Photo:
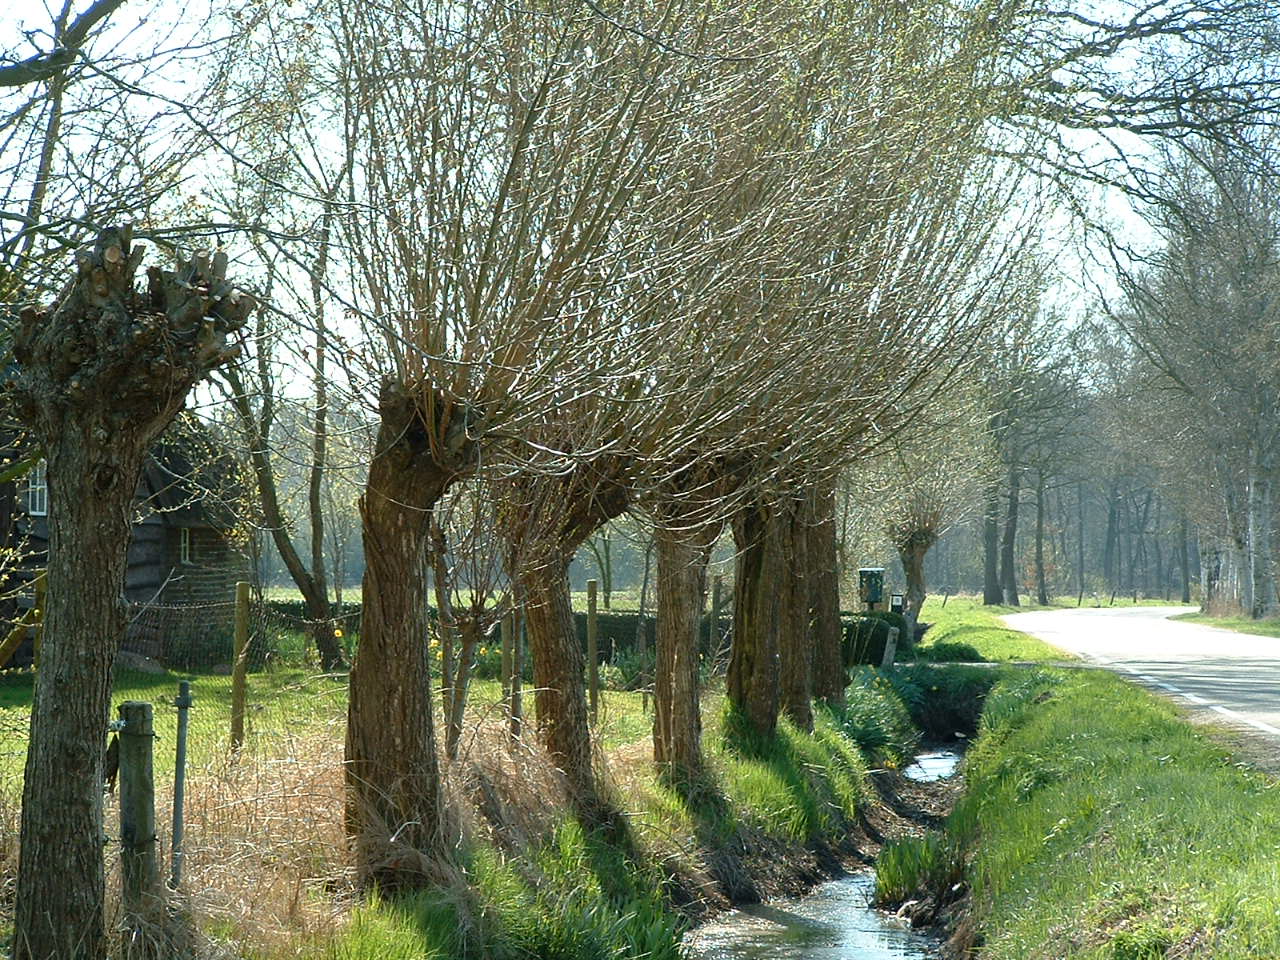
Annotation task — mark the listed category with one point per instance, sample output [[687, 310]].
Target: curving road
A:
[[1236, 675]]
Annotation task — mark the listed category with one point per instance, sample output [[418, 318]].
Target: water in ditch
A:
[[834, 921]]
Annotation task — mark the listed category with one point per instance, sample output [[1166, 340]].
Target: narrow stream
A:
[[834, 921]]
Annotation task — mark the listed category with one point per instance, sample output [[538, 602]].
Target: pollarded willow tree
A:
[[507, 227], [905, 274], [923, 482], [100, 374]]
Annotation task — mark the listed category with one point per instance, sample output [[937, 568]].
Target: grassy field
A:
[[966, 630]]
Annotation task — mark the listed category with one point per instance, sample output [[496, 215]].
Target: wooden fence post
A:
[[517, 673], [142, 895], [593, 660], [240, 666], [717, 585], [890, 649], [506, 661]]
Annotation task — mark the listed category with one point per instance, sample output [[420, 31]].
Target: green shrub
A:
[[877, 720], [944, 700], [866, 635], [951, 653]]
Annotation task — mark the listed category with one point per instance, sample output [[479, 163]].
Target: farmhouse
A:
[[182, 551]]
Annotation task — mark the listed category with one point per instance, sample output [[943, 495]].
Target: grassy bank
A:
[[772, 810], [966, 630], [1269, 627], [1099, 824]]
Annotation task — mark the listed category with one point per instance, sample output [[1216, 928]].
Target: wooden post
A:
[[517, 674], [717, 585], [142, 894], [593, 663], [506, 660], [890, 649], [240, 666]]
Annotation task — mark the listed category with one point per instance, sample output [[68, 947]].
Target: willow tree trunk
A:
[[992, 592], [824, 596], [558, 678], [98, 379], [60, 910], [795, 645], [752, 682], [912, 552], [395, 809], [1008, 543], [681, 582]]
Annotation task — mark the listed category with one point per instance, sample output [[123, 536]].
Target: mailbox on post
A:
[[871, 586]]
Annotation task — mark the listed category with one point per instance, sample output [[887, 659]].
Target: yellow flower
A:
[[338, 634]]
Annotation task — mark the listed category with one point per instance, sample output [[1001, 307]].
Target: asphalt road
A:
[[1236, 675]]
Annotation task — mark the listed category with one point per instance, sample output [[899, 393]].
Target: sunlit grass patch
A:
[[965, 623]]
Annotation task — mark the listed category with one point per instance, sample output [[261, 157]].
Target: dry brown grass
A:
[[266, 859]]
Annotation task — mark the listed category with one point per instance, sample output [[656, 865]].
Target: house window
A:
[[184, 548], [38, 490]]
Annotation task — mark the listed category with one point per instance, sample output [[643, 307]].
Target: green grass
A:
[[1263, 628], [966, 630], [1102, 825]]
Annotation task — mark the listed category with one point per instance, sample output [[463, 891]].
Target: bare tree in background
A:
[[1204, 316]]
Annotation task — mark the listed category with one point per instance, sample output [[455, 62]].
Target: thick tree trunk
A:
[[912, 553], [677, 720], [752, 683], [992, 592], [1008, 543], [98, 379], [824, 597], [1185, 563], [795, 643], [547, 518], [60, 911], [1261, 535], [1211, 557], [1111, 539], [395, 808], [1042, 587], [558, 666]]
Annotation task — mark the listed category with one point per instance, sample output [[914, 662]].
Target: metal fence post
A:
[[183, 703], [141, 891], [239, 666]]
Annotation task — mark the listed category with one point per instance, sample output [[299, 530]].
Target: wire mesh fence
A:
[[263, 823]]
